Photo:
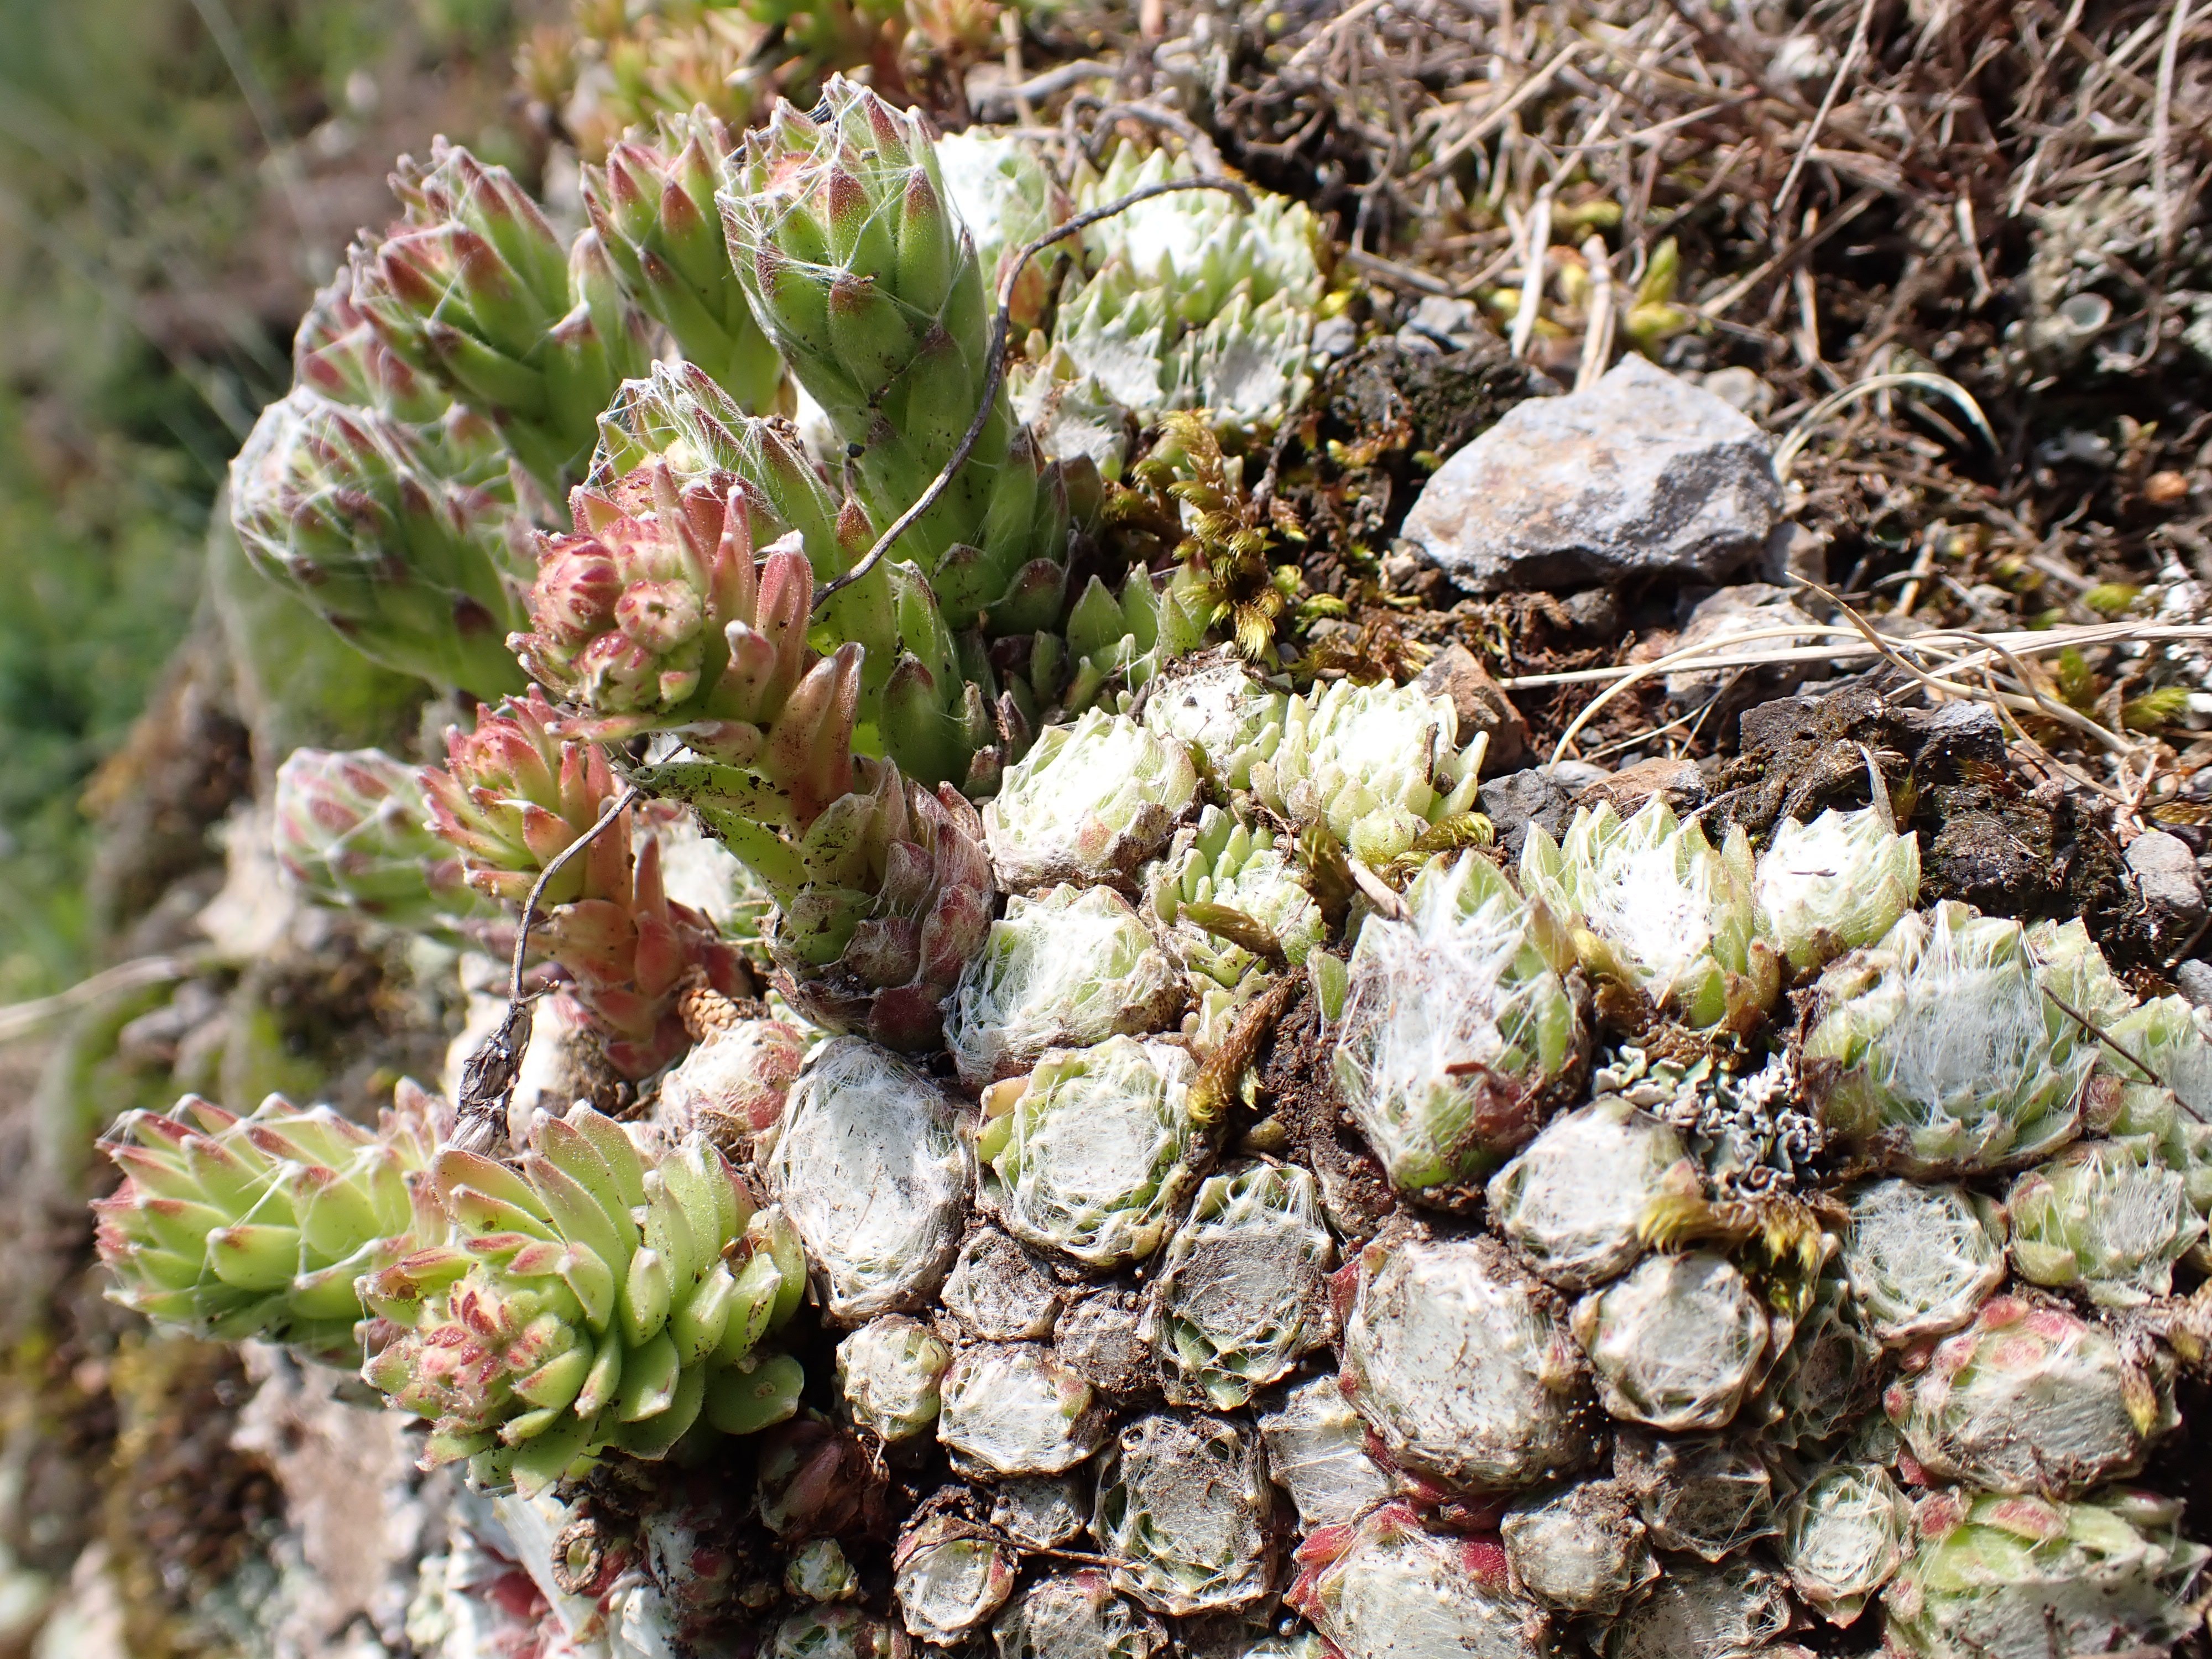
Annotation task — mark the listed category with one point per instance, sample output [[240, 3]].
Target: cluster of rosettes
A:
[[1198, 1163], [1117, 1302]]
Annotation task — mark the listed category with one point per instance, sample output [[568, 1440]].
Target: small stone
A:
[[1746, 609], [2166, 489], [2193, 978], [1335, 336], [1481, 706], [1641, 475], [2166, 875], [1594, 611], [1741, 389], [1443, 324], [1518, 799], [1676, 782]]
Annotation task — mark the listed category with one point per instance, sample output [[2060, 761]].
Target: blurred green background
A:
[[175, 178]]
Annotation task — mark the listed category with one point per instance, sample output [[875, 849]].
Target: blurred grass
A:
[[152, 260]]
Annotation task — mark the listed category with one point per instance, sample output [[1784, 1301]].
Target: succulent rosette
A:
[[652, 205], [1227, 720], [1843, 1536], [1574, 1201], [1706, 1496], [1063, 1615], [512, 796], [1010, 1408], [1384, 1585], [1091, 803], [474, 288], [1937, 1051], [940, 712], [1184, 1502], [1921, 1259], [349, 509], [1736, 1607], [1092, 1153], [867, 1164], [862, 275], [2031, 1399], [2104, 1215], [1379, 765], [887, 1373], [1243, 1290], [1316, 1448], [587, 1301], [1657, 909], [233, 1227], [1463, 1366], [656, 615], [1070, 968], [1188, 301], [949, 1577], [1456, 1026], [2011, 1576], [352, 829], [1834, 886], [1579, 1548], [1679, 1343], [1223, 888]]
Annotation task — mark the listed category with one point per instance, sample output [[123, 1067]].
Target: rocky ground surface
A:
[[1796, 204]]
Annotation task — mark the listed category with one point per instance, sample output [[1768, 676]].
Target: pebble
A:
[[1640, 475]]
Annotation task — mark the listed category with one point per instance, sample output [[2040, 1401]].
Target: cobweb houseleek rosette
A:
[[653, 204], [1070, 968], [1243, 1290], [862, 275], [1834, 886], [474, 288], [1092, 1154], [237, 1227], [2031, 1398], [1456, 1026], [883, 896], [1377, 764], [1089, 803], [1657, 909], [2106, 1216], [1937, 1051], [927, 701], [2006, 1576], [352, 829], [1218, 878], [587, 1301], [348, 510]]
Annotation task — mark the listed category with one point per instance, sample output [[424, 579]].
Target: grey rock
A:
[[1642, 475], [1595, 610], [1439, 323], [1518, 799], [1335, 336], [2165, 873], [1746, 608], [1794, 551], [1481, 704], [2193, 978]]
